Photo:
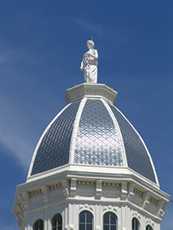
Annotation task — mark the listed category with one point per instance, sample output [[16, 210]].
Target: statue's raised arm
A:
[[89, 63]]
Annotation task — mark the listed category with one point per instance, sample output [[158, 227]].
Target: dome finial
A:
[[89, 63]]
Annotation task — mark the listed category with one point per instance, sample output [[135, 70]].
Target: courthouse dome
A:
[[91, 131]]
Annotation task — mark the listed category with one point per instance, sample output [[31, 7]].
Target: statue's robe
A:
[[89, 66]]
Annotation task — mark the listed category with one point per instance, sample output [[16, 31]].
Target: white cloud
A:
[[16, 131], [13, 132]]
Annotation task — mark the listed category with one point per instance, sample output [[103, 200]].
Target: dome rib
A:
[[116, 125], [75, 130]]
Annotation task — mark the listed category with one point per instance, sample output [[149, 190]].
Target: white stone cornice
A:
[[90, 90], [44, 190], [161, 207], [98, 189], [131, 189], [146, 199], [23, 199], [119, 203], [66, 189], [84, 174], [124, 190], [73, 186]]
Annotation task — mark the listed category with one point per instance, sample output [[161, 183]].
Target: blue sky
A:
[[41, 43]]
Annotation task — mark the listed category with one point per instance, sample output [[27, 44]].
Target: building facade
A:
[[90, 170]]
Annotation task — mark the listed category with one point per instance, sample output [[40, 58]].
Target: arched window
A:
[[86, 220], [109, 221], [135, 224], [149, 227], [57, 222], [38, 225]]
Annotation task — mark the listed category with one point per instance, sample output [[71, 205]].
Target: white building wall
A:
[[95, 197]]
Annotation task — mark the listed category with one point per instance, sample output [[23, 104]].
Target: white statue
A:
[[89, 63]]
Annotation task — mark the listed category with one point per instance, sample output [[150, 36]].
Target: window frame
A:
[[90, 223], [138, 222], [38, 227], [149, 227], [110, 225], [56, 218]]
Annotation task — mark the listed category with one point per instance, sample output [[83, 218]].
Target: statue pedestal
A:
[[97, 90]]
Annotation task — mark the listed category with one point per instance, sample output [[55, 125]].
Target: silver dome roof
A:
[[90, 130]]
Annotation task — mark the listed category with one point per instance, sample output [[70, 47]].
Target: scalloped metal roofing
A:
[[92, 132]]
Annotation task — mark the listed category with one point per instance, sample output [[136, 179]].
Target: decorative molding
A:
[[35, 193], [161, 207], [149, 222], [73, 186], [69, 190], [65, 189], [131, 189], [90, 90], [136, 215], [98, 189], [110, 208], [124, 190], [86, 207], [86, 182], [146, 199], [44, 191], [54, 186]]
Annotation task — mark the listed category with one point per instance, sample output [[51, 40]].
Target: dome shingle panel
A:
[[53, 150], [97, 141], [136, 151]]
